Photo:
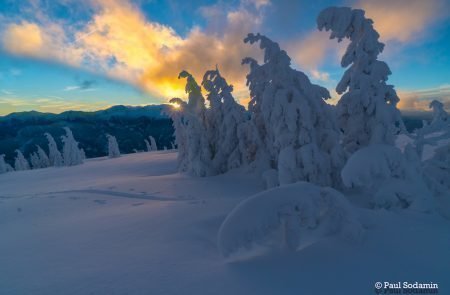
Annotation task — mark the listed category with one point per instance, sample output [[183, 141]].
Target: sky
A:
[[58, 55]]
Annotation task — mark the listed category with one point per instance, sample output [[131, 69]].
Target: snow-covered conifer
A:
[[54, 156], [72, 154], [295, 126], [4, 167], [367, 111], [153, 145], [35, 161], [224, 117], [387, 178], [20, 162], [113, 147], [437, 172], [43, 158], [439, 114], [83, 154], [189, 119], [147, 145]]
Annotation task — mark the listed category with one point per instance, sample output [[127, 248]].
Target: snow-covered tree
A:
[[440, 116], [294, 125], [43, 158], [4, 167], [39, 159], [387, 178], [113, 147], [20, 162], [437, 171], [153, 145], [54, 156], [147, 145], [35, 161], [83, 155], [367, 111], [178, 115], [72, 154], [431, 135], [190, 130], [224, 118]]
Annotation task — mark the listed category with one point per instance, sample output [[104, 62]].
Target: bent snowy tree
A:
[[224, 118], [295, 126], [367, 111], [191, 135]]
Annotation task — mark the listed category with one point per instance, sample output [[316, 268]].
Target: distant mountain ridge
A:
[[130, 124], [151, 111]]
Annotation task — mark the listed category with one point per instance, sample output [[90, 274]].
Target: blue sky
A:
[[91, 54]]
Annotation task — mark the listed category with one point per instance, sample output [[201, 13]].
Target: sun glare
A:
[[176, 106]]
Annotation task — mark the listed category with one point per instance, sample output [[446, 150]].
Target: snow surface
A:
[[132, 225]]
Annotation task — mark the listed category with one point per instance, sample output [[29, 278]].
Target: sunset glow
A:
[[140, 47]]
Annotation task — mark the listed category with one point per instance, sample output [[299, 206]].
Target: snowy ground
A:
[[133, 225]]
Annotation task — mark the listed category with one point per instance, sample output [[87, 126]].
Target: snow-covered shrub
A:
[[4, 167], [153, 145], [288, 216], [387, 178], [54, 155], [223, 118], [367, 112], [113, 147], [72, 154], [296, 129], [20, 162]]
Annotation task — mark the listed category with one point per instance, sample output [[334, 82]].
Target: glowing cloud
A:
[[403, 20], [121, 43]]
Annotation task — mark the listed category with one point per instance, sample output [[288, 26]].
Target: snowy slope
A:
[[133, 225]]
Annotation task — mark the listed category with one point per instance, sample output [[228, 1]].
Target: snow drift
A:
[[297, 211]]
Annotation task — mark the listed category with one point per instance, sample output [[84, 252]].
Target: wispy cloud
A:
[[84, 85], [7, 92]]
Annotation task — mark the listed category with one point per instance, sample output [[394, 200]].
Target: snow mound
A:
[[387, 177], [288, 216]]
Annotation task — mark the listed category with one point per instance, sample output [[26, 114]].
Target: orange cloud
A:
[[420, 99], [121, 43], [403, 20], [24, 38], [47, 41]]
